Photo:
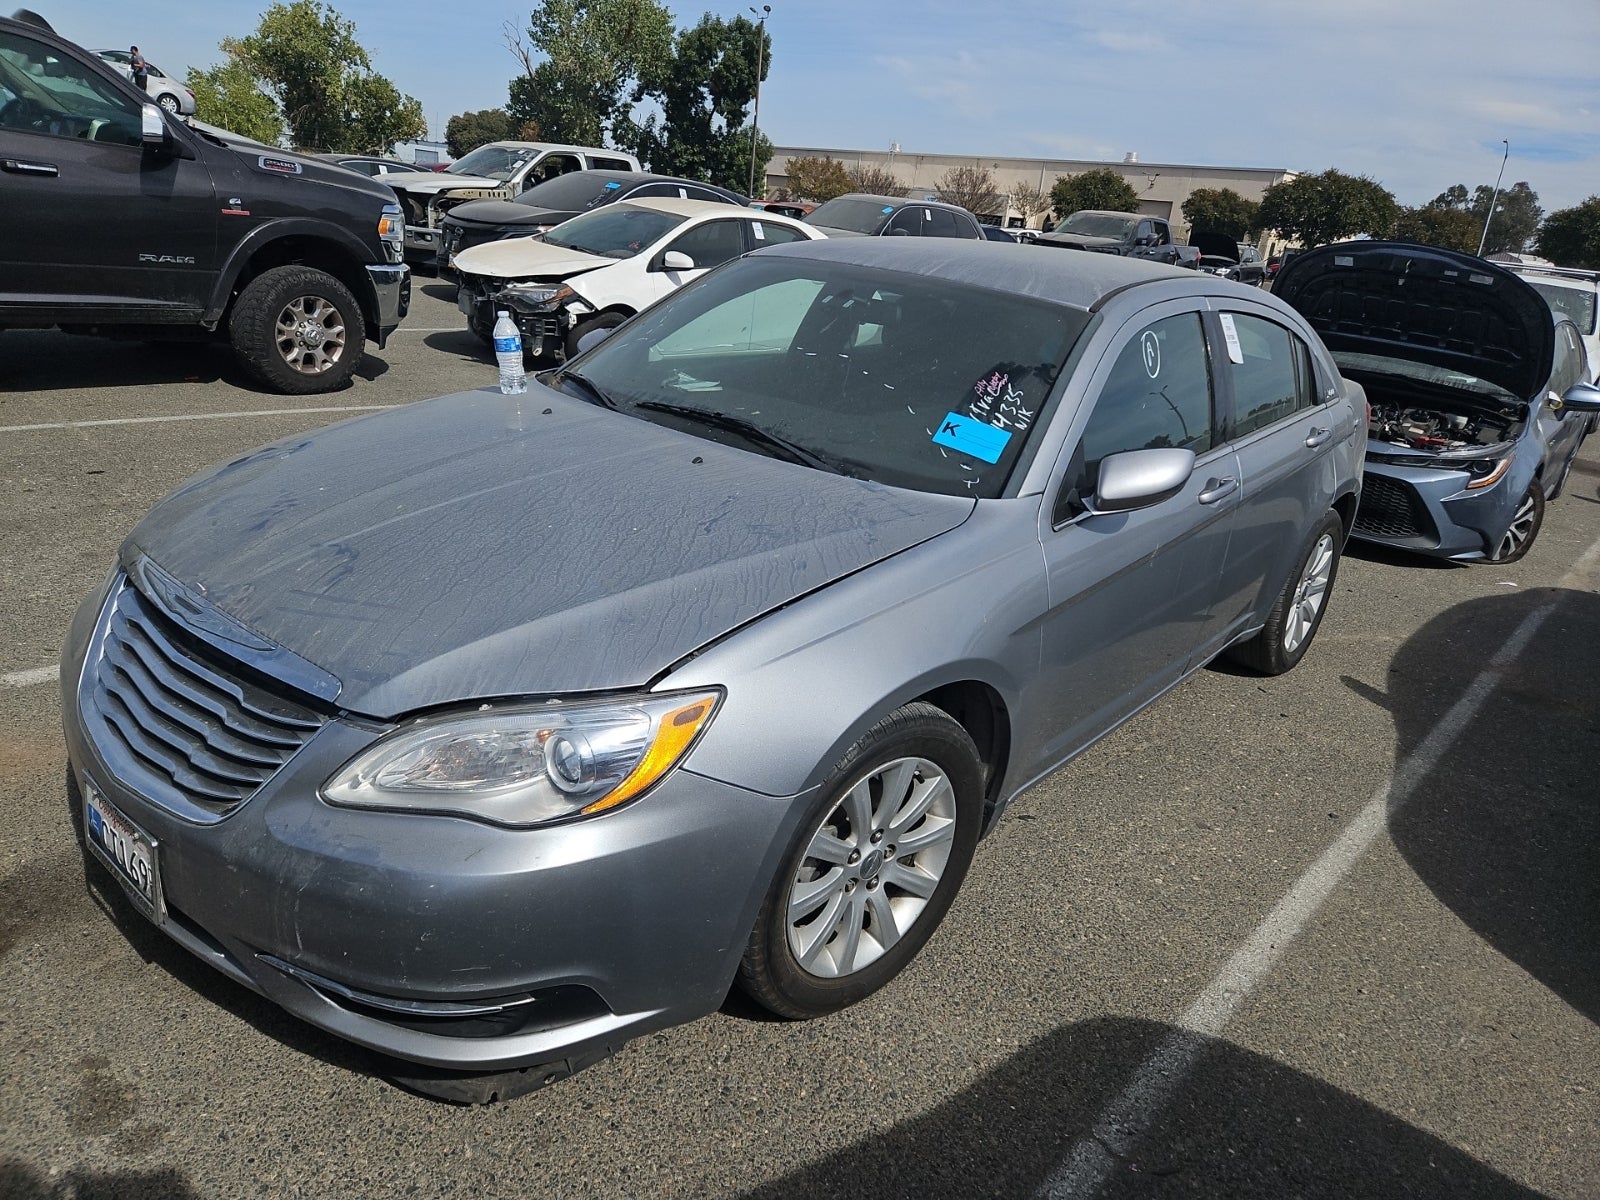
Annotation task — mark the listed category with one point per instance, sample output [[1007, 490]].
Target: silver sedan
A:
[[494, 731]]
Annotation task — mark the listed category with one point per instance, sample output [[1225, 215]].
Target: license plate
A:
[[126, 849]]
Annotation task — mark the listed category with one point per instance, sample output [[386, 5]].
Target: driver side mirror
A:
[[1582, 397], [153, 130], [1140, 478], [676, 260]]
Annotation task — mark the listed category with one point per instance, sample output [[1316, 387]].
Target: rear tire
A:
[[873, 868], [1297, 614], [298, 330]]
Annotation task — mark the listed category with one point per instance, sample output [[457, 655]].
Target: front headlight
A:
[[527, 765], [392, 232], [536, 293]]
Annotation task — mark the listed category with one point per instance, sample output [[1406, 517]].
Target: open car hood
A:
[[1426, 305], [527, 258], [481, 545]]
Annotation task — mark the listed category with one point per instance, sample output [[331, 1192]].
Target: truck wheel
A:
[[298, 330]]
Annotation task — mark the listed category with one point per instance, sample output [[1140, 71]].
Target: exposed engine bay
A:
[[1436, 429]]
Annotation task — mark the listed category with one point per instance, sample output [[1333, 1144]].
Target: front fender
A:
[[338, 240]]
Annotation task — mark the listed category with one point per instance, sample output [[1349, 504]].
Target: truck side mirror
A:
[[153, 130]]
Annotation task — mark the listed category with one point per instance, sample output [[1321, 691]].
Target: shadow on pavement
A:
[[40, 360], [1505, 830], [1240, 1126], [19, 1182]]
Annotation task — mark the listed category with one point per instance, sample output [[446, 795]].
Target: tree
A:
[[1221, 211], [874, 180], [1316, 209], [465, 132], [305, 55], [583, 64], [1571, 236], [818, 179], [1454, 228], [1029, 200], [1515, 220], [1099, 188], [229, 95], [705, 88], [972, 188]]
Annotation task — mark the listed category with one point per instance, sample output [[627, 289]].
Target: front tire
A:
[[1297, 614], [298, 330], [874, 869], [606, 320], [1526, 522]]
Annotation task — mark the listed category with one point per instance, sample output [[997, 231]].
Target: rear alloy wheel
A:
[[874, 870], [298, 329], [169, 102], [1526, 522], [1297, 614]]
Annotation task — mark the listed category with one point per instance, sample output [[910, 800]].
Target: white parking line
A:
[[223, 416], [1118, 1131], [22, 679]]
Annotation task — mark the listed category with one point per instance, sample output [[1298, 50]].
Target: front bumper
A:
[[441, 940], [391, 285], [1429, 511]]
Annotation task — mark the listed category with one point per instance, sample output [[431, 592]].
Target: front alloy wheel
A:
[[874, 868], [1517, 540]]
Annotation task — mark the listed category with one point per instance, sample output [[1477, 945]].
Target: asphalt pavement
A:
[[1331, 934]]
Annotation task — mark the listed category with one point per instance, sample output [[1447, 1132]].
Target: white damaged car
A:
[[597, 270]]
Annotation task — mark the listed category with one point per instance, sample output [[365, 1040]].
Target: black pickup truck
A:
[[123, 220], [1131, 235]]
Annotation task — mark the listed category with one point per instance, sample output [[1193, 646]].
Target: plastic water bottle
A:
[[508, 350]]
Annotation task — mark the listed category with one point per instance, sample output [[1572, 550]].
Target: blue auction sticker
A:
[[972, 437]]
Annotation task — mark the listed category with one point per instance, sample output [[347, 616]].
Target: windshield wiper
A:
[[593, 394], [749, 430]]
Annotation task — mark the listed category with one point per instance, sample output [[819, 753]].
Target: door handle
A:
[[1216, 489], [1317, 436], [18, 167]]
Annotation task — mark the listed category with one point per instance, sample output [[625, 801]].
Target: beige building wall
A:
[[1162, 187]]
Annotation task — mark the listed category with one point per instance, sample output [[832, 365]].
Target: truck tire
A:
[[298, 330]]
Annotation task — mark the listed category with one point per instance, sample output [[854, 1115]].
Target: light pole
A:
[[1489, 216], [755, 120]]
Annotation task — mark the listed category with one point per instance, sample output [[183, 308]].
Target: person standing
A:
[[140, 69]]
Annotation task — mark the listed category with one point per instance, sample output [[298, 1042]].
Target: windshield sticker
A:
[[888, 208], [1231, 336], [761, 234], [972, 437], [612, 186]]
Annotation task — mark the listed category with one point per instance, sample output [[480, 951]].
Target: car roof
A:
[[560, 146], [898, 201], [694, 208], [1063, 277]]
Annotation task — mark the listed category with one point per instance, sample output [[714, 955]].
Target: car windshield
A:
[[858, 216], [492, 162], [1576, 303], [572, 192], [1097, 225], [902, 379], [616, 231]]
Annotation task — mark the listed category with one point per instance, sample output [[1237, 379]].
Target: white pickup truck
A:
[[497, 171]]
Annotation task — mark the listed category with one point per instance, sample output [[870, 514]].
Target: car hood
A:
[[1426, 305], [528, 258], [833, 231], [1081, 240], [1213, 245], [507, 212], [430, 183], [482, 545]]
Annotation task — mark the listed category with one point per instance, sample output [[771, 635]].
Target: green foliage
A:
[[465, 132], [1100, 188], [1571, 236], [1221, 211], [228, 95], [1435, 224], [585, 64], [1515, 221], [819, 179], [1317, 209], [704, 89], [306, 56]]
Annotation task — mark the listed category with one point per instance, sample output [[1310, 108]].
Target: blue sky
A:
[[1414, 93]]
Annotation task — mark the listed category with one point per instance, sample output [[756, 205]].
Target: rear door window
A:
[[943, 223], [1270, 369]]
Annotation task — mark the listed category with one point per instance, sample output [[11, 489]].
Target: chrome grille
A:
[[181, 718], [1392, 509]]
